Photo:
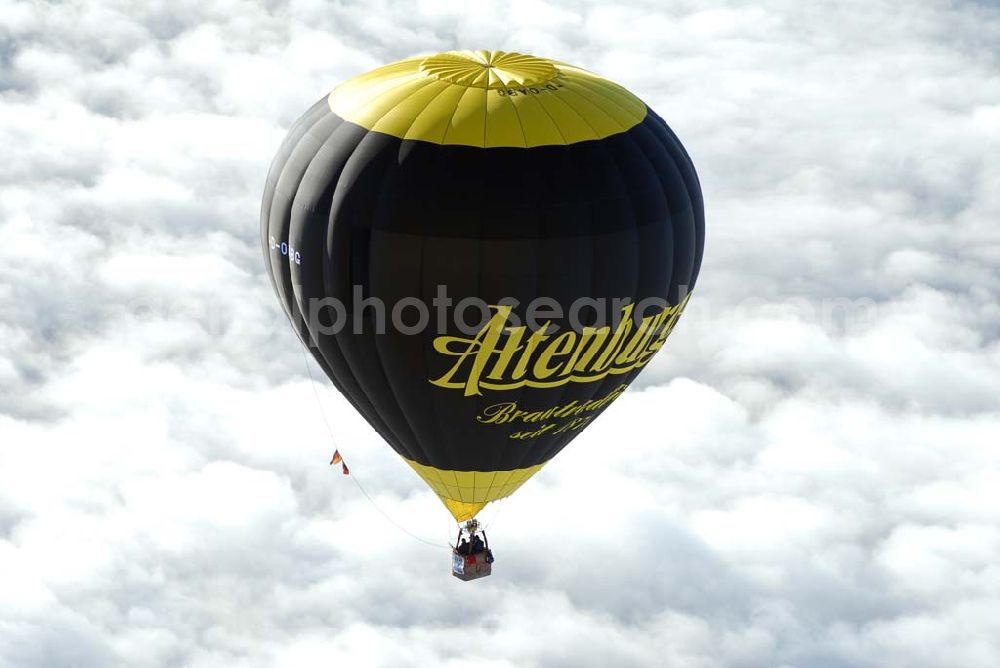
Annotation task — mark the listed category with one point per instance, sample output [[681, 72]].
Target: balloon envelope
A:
[[481, 250]]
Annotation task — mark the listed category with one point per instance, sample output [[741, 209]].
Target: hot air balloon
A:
[[481, 249]]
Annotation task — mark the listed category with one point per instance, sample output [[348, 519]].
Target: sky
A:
[[807, 475]]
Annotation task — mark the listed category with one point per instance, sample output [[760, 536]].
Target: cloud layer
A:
[[808, 476]]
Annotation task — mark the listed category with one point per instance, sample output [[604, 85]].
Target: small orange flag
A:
[[337, 459]]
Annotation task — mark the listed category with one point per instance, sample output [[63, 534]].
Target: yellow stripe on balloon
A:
[[492, 99], [465, 493]]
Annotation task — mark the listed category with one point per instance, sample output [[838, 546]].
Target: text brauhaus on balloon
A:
[[503, 357]]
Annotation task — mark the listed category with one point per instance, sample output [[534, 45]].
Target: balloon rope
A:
[[352, 475], [498, 506]]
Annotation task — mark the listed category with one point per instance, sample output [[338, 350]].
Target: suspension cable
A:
[[352, 475]]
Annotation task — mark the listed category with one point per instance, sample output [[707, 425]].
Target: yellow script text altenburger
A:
[[503, 357]]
